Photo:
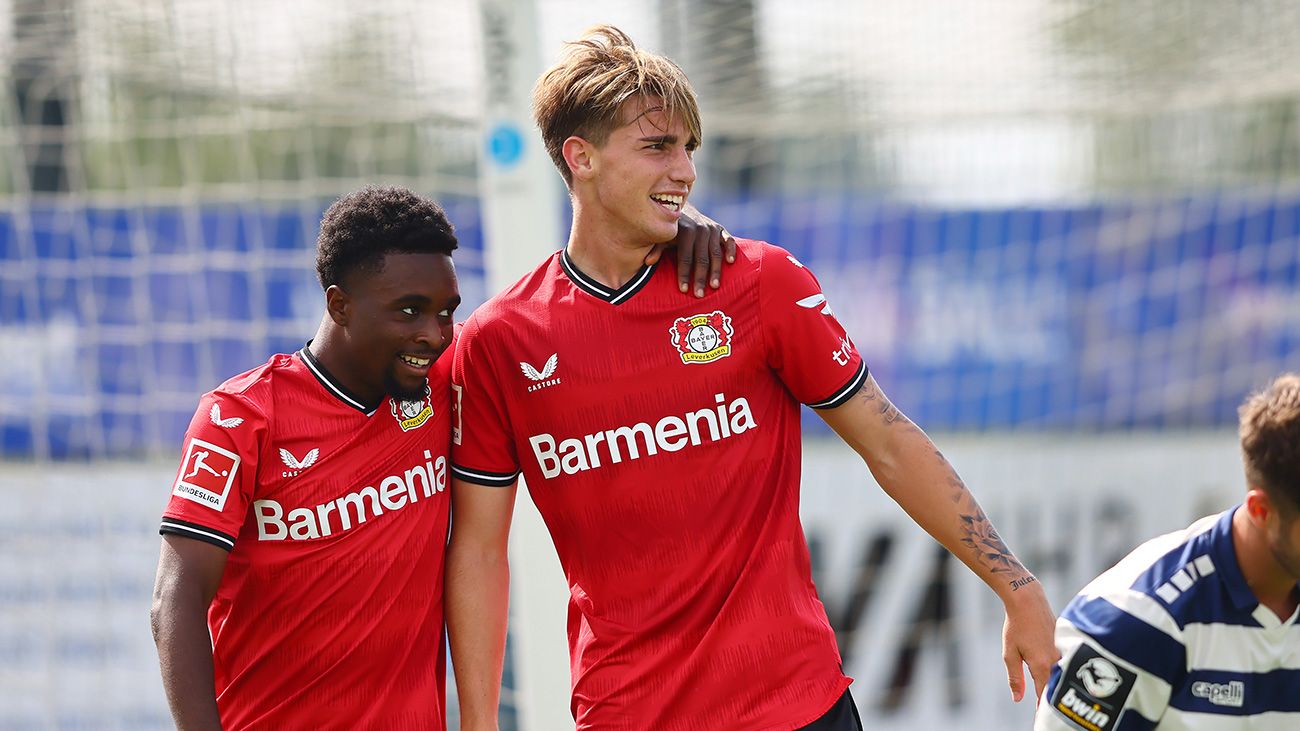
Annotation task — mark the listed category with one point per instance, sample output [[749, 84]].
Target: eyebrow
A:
[[419, 299]]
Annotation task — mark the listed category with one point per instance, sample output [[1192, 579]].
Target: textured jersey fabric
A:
[[1172, 638], [329, 611], [659, 438]]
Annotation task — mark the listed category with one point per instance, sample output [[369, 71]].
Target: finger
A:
[[729, 246], [702, 263], [1015, 677], [685, 260], [715, 260], [653, 257], [1041, 672]]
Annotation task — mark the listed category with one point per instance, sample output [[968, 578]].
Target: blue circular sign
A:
[[505, 144]]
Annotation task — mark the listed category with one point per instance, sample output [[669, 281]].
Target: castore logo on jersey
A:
[[296, 465], [215, 416], [542, 379]]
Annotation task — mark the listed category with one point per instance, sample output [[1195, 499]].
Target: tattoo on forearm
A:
[[888, 412], [990, 551], [982, 538]]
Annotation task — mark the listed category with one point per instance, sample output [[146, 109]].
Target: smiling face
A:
[[639, 179], [396, 322]]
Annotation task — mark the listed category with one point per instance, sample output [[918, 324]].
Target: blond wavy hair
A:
[[583, 93]]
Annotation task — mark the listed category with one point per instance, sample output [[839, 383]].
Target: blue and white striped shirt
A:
[[1172, 638]]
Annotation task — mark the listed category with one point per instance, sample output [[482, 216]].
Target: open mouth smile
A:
[[671, 202], [415, 361]]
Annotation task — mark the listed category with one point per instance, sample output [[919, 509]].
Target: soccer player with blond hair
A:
[[673, 501]]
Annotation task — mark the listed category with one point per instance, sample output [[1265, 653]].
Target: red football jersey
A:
[[329, 612], [659, 437]]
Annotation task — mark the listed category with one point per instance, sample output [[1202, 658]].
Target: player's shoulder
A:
[[254, 389], [1166, 582], [773, 263], [1154, 562], [517, 301]]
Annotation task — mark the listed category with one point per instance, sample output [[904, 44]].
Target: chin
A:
[[404, 392]]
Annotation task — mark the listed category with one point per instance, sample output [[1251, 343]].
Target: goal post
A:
[[521, 200]]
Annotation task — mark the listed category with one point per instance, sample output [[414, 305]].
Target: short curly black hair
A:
[[360, 228]]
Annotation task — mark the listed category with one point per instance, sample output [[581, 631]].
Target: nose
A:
[[431, 335], [683, 168]]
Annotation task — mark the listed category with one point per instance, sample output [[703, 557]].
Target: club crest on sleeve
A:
[[702, 338], [412, 414], [457, 391], [215, 416], [1092, 690], [206, 475]]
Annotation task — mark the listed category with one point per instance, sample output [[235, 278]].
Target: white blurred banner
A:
[[919, 634]]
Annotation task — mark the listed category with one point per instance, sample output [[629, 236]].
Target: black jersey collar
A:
[[594, 288], [332, 384]]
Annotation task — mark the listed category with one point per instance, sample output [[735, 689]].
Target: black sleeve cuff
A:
[[845, 392], [198, 532], [481, 477]]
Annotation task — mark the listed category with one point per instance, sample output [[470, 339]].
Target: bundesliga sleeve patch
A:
[[206, 474], [1092, 690]]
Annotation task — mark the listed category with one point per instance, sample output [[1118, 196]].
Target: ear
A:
[[581, 157], [338, 304], [1258, 506]]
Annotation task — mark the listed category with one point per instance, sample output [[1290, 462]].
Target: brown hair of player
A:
[[1270, 440], [582, 95]]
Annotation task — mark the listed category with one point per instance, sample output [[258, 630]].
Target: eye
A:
[[445, 313], [410, 310]]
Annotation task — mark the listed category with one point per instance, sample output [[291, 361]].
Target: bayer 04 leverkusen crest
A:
[[702, 338], [412, 414]]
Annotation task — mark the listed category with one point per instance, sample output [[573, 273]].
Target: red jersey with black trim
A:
[[659, 438], [329, 613]]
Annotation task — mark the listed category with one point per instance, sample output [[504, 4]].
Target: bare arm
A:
[[477, 597], [188, 574], [918, 477]]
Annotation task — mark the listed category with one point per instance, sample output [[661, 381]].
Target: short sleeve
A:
[[806, 345], [1117, 670], [483, 450], [215, 482]]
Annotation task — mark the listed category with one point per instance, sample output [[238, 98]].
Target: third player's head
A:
[[384, 259], [620, 124], [1270, 445]]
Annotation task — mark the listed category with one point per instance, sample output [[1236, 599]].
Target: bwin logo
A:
[[1075, 707]]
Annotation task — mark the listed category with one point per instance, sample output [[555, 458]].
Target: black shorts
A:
[[843, 716]]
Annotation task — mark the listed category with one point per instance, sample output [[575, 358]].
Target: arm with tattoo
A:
[[917, 476]]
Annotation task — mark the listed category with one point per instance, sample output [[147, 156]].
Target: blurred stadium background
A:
[[1065, 234]]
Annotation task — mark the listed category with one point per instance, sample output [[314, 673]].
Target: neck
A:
[[329, 346], [1268, 580], [603, 250]]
